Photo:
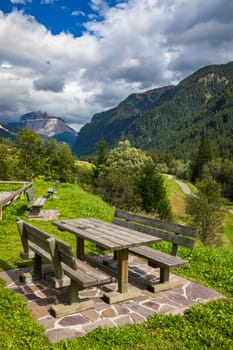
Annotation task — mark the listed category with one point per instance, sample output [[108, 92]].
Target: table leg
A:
[[80, 248], [124, 292], [123, 270]]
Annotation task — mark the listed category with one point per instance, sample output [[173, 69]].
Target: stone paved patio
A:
[[40, 296]]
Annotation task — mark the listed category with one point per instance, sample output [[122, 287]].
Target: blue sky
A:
[[74, 58], [58, 16]]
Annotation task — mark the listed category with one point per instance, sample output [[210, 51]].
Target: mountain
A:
[[171, 119], [47, 126]]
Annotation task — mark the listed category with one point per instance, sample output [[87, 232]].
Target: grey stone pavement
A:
[[40, 296]]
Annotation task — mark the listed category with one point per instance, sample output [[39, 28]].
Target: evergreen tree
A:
[[204, 154], [153, 192], [101, 156]]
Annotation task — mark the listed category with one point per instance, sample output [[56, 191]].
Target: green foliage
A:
[[8, 161], [116, 182], [32, 160], [203, 155], [222, 171], [85, 173], [152, 192], [31, 157], [60, 162], [206, 210]]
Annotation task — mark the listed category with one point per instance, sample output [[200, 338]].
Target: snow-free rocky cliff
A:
[[46, 125]]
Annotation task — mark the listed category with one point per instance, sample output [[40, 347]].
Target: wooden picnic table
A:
[[112, 237]]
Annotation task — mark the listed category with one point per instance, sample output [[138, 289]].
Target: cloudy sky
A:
[[74, 58]]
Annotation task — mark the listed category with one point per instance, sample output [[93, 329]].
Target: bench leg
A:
[[27, 277], [75, 304], [35, 212], [37, 270], [164, 274], [164, 282]]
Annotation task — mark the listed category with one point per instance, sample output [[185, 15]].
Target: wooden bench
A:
[[35, 204], [177, 235], [52, 190], [68, 270]]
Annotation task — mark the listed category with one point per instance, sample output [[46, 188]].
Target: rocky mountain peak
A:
[[44, 124]]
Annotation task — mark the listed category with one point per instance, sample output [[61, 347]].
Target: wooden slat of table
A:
[[118, 230], [82, 233], [107, 235]]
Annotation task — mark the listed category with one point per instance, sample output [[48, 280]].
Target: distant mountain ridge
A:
[[170, 119], [46, 126]]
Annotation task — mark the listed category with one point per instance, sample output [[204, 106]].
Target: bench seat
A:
[[39, 202], [158, 258]]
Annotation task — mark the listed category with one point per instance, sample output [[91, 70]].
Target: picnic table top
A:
[[105, 234]]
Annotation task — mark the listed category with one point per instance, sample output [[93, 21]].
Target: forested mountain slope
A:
[[170, 119]]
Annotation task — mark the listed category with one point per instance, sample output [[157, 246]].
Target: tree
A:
[[116, 182], [60, 162], [152, 191], [32, 160], [203, 155], [9, 168], [101, 156], [205, 210]]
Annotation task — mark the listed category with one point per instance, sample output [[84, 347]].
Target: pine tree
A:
[[153, 192], [204, 154]]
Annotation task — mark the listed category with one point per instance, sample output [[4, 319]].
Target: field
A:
[[207, 326]]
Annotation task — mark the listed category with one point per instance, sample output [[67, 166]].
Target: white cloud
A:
[[20, 1], [46, 2], [139, 44], [77, 13]]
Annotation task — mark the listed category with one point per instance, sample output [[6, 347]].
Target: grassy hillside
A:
[[203, 327]]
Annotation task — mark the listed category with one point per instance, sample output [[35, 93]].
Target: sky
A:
[[75, 58]]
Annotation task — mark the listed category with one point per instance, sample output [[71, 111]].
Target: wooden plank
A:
[[85, 235], [39, 202], [127, 233], [160, 258], [170, 237], [81, 277], [181, 229], [39, 251]]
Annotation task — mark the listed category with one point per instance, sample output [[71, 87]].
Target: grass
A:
[[207, 326], [228, 229], [177, 200]]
